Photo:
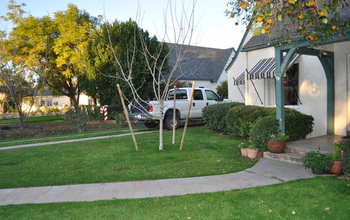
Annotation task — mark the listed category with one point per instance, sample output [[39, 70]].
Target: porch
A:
[[297, 149]]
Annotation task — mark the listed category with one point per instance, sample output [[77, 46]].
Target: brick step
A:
[[286, 157]]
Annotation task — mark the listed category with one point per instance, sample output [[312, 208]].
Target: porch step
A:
[[286, 157], [300, 150]]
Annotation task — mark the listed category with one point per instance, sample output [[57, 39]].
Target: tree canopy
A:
[[315, 21], [51, 47], [118, 39]]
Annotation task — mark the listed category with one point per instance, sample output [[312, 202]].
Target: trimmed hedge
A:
[[345, 162], [214, 115], [241, 119], [262, 130], [298, 126]]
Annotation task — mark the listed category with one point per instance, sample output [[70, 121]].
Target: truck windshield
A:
[[180, 94]]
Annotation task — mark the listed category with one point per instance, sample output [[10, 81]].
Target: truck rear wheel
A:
[[169, 122], [151, 124]]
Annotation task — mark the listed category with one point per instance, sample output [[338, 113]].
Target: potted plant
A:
[[277, 143], [336, 168], [337, 157], [317, 161], [244, 147], [252, 150]]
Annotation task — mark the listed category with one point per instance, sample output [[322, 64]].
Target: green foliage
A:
[[345, 162], [286, 21], [215, 115], [51, 47], [279, 137], [103, 73], [262, 130], [298, 126], [241, 119], [317, 160], [78, 118], [222, 89]]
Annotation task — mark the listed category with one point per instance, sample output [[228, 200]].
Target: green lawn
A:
[[319, 198], [111, 129], [115, 159], [34, 120]]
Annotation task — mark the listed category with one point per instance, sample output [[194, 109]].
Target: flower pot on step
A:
[[244, 152], [336, 168], [252, 153], [276, 146]]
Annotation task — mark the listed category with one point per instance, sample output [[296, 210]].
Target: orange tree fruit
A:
[[259, 19]]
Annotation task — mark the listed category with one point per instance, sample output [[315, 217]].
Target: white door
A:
[[198, 104]]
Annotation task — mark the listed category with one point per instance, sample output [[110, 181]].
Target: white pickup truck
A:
[[202, 97]]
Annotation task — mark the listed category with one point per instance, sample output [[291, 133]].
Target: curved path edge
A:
[[265, 172]]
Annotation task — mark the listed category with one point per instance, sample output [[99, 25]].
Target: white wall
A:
[[313, 92], [237, 68], [205, 84], [342, 97]]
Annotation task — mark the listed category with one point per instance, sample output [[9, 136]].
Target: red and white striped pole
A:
[[104, 110]]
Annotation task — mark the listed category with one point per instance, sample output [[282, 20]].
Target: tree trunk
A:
[[161, 121], [161, 148]]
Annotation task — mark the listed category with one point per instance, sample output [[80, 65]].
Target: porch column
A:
[[328, 66], [281, 68]]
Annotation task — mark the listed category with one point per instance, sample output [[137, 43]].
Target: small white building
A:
[[308, 86]]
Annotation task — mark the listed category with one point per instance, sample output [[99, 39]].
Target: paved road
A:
[[265, 172]]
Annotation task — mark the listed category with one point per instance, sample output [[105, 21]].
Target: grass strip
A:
[[319, 198]]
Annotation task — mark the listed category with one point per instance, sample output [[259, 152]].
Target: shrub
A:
[[262, 130], [298, 126], [214, 115], [344, 146], [241, 119], [317, 160], [78, 118]]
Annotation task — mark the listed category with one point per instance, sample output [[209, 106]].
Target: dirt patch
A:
[[48, 129]]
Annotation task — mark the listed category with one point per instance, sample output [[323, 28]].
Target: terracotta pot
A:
[[252, 153], [276, 146], [244, 152], [336, 168]]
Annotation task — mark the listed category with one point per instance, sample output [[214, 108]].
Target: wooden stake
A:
[[127, 118], [188, 115], [174, 114]]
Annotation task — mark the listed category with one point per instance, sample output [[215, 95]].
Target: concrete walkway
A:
[[71, 141], [265, 172]]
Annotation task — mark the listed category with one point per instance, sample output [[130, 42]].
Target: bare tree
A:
[[181, 25]]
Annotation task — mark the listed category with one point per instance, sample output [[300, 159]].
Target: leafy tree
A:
[[315, 21], [222, 89], [52, 47], [100, 64]]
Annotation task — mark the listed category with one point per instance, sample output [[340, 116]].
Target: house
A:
[[48, 100], [314, 84], [204, 65]]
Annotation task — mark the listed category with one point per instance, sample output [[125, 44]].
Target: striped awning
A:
[[240, 80], [266, 68]]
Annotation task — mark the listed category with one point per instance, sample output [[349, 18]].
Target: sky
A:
[[213, 28]]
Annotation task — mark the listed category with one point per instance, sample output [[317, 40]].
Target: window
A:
[[212, 95], [42, 103], [49, 103], [291, 85], [198, 95], [180, 94]]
